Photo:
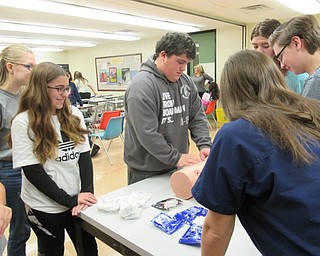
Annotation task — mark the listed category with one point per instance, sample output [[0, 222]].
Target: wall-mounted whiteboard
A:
[[114, 73]]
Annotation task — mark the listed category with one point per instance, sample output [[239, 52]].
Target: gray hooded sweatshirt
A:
[[158, 116]]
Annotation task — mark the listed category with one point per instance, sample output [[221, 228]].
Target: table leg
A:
[[114, 244]]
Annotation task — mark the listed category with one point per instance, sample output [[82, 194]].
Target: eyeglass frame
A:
[[277, 57], [27, 66], [60, 90]]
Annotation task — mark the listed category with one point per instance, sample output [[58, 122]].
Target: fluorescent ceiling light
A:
[[38, 49], [6, 26], [28, 41], [42, 49], [95, 14], [305, 6]]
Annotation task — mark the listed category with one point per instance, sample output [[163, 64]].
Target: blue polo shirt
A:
[[277, 201]]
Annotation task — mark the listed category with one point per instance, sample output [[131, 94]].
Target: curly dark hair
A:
[[174, 43]]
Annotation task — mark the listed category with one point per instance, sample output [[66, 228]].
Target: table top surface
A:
[[97, 100], [115, 101], [111, 97], [86, 106], [145, 238]]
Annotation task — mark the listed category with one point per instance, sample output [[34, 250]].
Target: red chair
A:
[[210, 110], [105, 119]]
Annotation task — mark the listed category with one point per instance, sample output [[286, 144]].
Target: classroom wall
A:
[[229, 41], [56, 57], [83, 60]]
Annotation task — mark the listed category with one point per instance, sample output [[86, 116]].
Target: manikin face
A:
[[58, 90], [261, 44], [172, 67]]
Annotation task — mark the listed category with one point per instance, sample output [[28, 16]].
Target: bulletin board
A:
[[114, 73]]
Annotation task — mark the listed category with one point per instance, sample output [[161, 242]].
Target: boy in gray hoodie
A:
[[161, 106]]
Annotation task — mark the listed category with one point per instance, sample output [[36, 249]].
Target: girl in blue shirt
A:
[[264, 165]]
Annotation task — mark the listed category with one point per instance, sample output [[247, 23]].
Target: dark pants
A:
[[19, 230], [135, 175], [50, 231]]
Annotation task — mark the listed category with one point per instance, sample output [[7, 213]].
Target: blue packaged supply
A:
[[167, 223], [188, 215], [192, 236]]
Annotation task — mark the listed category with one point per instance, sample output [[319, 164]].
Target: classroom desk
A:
[[110, 97], [86, 106], [114, 103], [86, 109], [96, 100], [140, 236]]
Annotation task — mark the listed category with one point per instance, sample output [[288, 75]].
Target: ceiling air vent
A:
[[256, 7]]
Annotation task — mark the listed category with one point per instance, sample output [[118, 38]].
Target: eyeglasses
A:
[[60, 90], [278, 57], [27, 66]]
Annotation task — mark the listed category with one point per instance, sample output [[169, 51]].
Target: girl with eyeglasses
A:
[[50, 143], [16, 62]]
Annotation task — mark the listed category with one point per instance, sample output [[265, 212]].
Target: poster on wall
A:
[[115, 72]]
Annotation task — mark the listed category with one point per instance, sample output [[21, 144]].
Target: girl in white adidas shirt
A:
[[50, 143]]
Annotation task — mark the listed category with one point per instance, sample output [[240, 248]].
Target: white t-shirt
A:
[[82, 86], [63, 169]]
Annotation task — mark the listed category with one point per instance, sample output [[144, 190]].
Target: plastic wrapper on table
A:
[[129, 206], [166, 204]]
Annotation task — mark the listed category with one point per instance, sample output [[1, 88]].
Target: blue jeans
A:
[[19, 231]]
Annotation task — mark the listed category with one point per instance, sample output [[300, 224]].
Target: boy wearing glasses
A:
[[297, 47], [260, 42]]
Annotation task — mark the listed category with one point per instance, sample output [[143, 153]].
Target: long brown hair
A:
[[253, 88], [78, 75], [36, 101]]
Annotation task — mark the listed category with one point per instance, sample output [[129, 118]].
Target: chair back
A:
[[114, 128], [106, 117], [211, 107]]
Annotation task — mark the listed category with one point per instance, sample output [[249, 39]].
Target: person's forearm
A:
[[216, 233], [92, 89], [213, 244], [2, 195], [86, 172], [38, 177]]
